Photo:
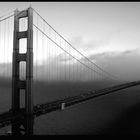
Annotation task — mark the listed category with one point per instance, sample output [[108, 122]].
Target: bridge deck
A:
[[7, 118]]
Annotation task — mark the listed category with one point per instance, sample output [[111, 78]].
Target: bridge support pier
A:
[[17, 83]]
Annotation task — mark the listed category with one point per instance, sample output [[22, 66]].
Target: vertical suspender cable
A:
[[43, 53], [4, 45], [37, 52]]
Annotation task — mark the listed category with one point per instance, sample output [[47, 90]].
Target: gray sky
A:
[[95, 28], [117, 24]]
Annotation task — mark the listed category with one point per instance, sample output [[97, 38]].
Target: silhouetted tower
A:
[[17, 83]]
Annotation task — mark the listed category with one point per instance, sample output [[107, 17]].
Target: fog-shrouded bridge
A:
[[33, 51]]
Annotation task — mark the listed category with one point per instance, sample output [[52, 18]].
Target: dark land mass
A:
[[116, 113]]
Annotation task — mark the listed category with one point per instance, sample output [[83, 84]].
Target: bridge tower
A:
[[26, 124]]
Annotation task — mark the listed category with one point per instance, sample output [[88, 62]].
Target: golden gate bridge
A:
[[32, 51]]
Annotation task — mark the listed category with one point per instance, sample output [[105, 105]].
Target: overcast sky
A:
[[114, 23], [106, 31]]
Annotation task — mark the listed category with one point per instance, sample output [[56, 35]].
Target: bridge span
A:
[[8, 118]]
